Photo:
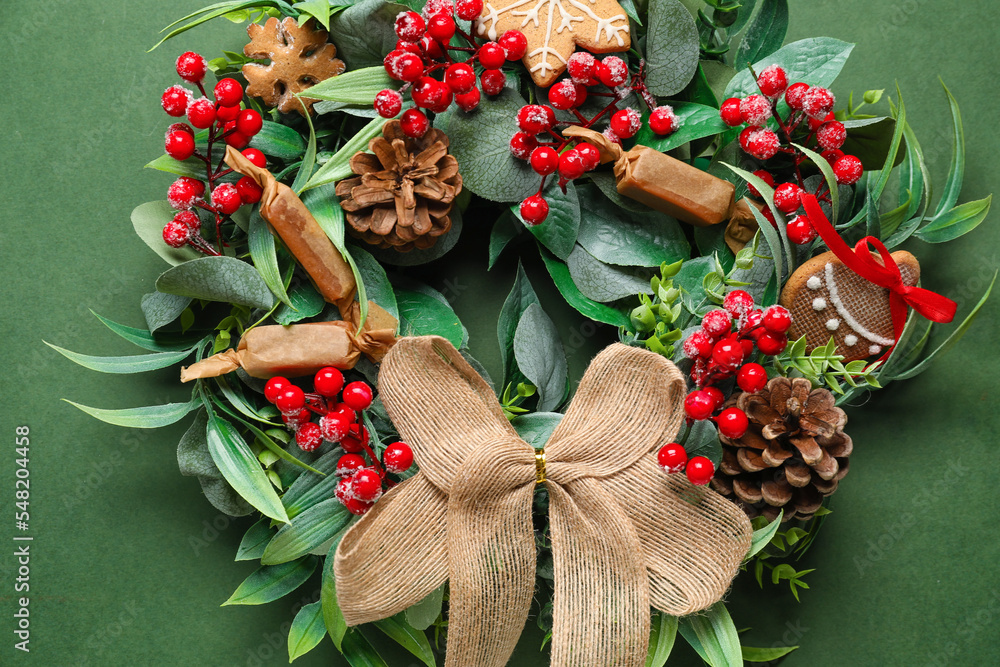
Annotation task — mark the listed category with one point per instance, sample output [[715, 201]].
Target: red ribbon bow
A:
[[931, 305]]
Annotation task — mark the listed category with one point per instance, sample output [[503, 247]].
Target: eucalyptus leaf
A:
[[139, 363], [535, 428], [505, 230], [161, 309], [145, 340], [602, 282], [672, 47], [764, 35], [958, 221], [586, 306], [272, 582], [304, 302], [816, 61], [422, 315], [696, 121], [377, 285], [558, 232], [153, 416], [307, 628], [607, 184], [307, 531], [148, 221], [222, 278], [423, 614], [364, 33], [279, 141], [540, 356]]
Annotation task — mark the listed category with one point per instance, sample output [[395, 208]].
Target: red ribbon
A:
[[931, 305]]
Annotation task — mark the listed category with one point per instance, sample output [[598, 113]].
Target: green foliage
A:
[[655, 317], [358, 86], [225, 279], [671, 47], [713, 636], [696, 122], [307, 630], [271, 582], [423, 315], [124, 365], [153, 416], [306, 531], [772, 548], [824, 367], [279, 141], [563, 280], [816, 61], [540, 356], [764, 34], [148, 221], [662, 634], [562, 226]]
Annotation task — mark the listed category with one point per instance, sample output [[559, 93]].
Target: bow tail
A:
[[396, 555], [694, 539], [601, 607]]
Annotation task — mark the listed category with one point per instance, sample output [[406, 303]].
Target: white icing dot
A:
[[874, 349], [832, 324], [814, 282], [819, 303], [850, 340]]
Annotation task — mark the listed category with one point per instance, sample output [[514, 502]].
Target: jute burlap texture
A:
[[622, 537]]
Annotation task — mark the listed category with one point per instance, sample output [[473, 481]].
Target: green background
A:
[[128, 568]]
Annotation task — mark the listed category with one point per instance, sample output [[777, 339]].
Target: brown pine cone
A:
[[404, 189], [792, 456]]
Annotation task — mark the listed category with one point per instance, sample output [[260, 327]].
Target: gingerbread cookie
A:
[[554, 28], [828, 299]]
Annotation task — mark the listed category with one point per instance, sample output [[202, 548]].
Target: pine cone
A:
[[402, 195], [792, 456]]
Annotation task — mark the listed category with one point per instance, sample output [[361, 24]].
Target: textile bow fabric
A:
[[624, 534]]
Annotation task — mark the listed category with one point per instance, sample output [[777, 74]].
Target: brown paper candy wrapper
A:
[[742, 225], [662, 182]]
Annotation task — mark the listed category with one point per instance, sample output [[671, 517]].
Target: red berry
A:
[[751, 378], [348, 464], [334, 426], [409, 47], [732, 422], [234, 138], [514, 44], [755, 109], [777, 319], [274, 387], [492, 56], [562, 95], [626, 122], [794, 95], [389, 62], [176, 234], [441, 27], [533, 118], [716, 322], [468, 101], [191, 67], [700, 471], [672, 458], [745, 136], [309, 437], [180, 127], [183, 192], [225, 114], [571, 165], [295, 420], [492, 81], [414, 123], [831, 135], [800, 230], [409, 26], [581, 66], [255, 156], [762, 143], [717, 396], [343, 410], [290, 400], [730, 112], [357, 507], [367, 485], [831, 156], [771, 344], [522, 144], [534, 210], [345, 491], [175, 100], [249, 122], [698, 345], [816, 123], [397, 457], [190, 220], [460, 77], [430, 47], [753, 319], [226, 198], [357, 396], [424, 91], [589, 154], [250, 192], [738, 303], [355, 439], [772, 81], [443, 100], [817, 102], [201, 112], [787, 197], [763, 175], [663, 120], [228, 93], [179, 145], [612, 72], [727, 354], [388, 103], [468, 10], [328, 382], [544, 160], [848, 170], [699, 405], [407, 67]]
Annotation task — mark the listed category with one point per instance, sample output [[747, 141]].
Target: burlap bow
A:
[[622, 538]]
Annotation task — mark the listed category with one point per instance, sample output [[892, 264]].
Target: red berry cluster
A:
[[225, 120], [339, 410], [810, 119], [673, 458], [435, 78], [553, 153]]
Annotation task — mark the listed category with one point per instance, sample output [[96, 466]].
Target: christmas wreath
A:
[[687, 180]]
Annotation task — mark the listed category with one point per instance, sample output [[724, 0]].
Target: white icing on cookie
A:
[[874, 349], [819, 303], [850, 340], [831, 287], [814, 282], [833, 324]]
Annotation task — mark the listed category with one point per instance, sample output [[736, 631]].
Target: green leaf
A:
[[213, 11], [505, 230], [828, 175], [605, 182], [241, 469], [419, 256], [603, 282], [522, 295], [307, 531], [194, 459], [222, 278], [480, 142], [816, 61], [271, 582], [359, 652], [413, 640], [869, 140], [333, 619], [751, 654], [671, 47], [255, 540], [364, 33], [148, 221], [574, 297], [535, 428], [882, 179], [764, 35], [716, 635], [338, 166], [355, 87], [423, 614], [318, 9], [307, 629], [377, 285], [308, 490], [762, 536], [323, 203], [304, 302], [161, 309], [145, 340], [540, 356], [956, 222], [422, 315], [696, 121], [663, 632], [261, 244], [139, 363], [153, 416], [308, 160], [279, 141], [703, 440], [956, 172], [559, 230]]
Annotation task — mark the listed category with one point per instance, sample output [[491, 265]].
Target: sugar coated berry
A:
[[698, 345], [357, 507], [672, 458], [226, 198], [492, 56], [581, 94], [295, 420], [309, 437], [201, 113], [716, 322], [357, 396], [581, 66], [367, 485], [175, 100], [225, 114], [345, 411], [335, 426], [738, 303], [751, 377], [753, 319], [610, 135], [589, 154], [388, 103], [344, 491], [468, 101], [355, 439], [228, 92], [179, 145], [190, 220], [831, 135], [427, 91], [328, 382], [800, 230], [699, 405], [492, 81], [816, 123], [348, 464], [562, 95], [787, 197], [409, 47], [183, 192], [731, 113], [772, 81], [699, 470], [771, 344], [533, 118], [848, 170], [249, 122], [274, 387], [180, 127], [255, 156], [777, 319], [234, 137], [250, 192], [663, 120], [763, 175], [176, 234], [397, 457], [534, 210], [514, 44], [817, 102], [732, 422], [762, 143], [409, 26], [191, 67], [414, 123], [626, 122], [794, 95], [439, 7], [727, 354], [544, 160], [832, 155], [460, 77], [571, 165], [522, 144], [430, 48], [755, 109], [441, 27], [407, 67], [612, 71], [290, 399], [468, 10], [442, 102]]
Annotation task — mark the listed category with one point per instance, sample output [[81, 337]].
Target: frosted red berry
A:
[[771, 344], [183, 192], [255, 156], [191, 67], [612, 72], [397, 457], [581, 66], [492, 81], [755, 109], [409, 26], [716, 322], [414, 123], [732, 423], [355, 439], [344, 491], [225, 114], [589, 154], [388, 103], [175, 100], [800, 230], [228, 93], [817, 102], [534, 210], [290, 399], [522, 144], [409, 47], [753, 319], [698, 345], [663, 120], [762, 143], [468, 10], [727, 354], [468, 101], [176, 234], [571, 165], [309, 437], [533, 118], [763, 175], [357, 507], [442, 102], [544, 160], [226, 198], [672, 457], [751, 377], [407, 67], [345, 411], [699, 405], [274, 387], [831, 135], [816, 123], [190, 220], [772, 81], [562, 95], [179, 145], [180, 127], [460, 77], [441, 27], [787, 197], [367, 485], [295, 420], [430, 47], [832, 155], [730, 112], [233, 137], [249, 122], [334, 426], [348, 464], [626, 123], [492, 56], [848, 170], [514, 44], [794, 95], [328, 382], [777, 319], [250, 192], [201, 113], [700, 470], [357, 396], [738, 303]]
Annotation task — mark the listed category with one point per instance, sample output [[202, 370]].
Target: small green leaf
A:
[[307, 531], [422, 315], [603, 282], [161, 309], [671, 47], [223, 279], [423, 614], [751, 654], [219, 9], [762, 536], [663, 633], [333, 619], [260, 241], [307, 628], [377, 285], [364, 32], [355, 87], [413, 640], [958, 221], [522, 295], [541, 357], [304, 302], [139, 363], [308, 160], [716, 634], [153, 416], [536, 428], [279, 141], [255, 540], [764, 35], [359, 652], [559, 230], [310, 489], [318, 9], [148, 221], [505, 230], [956, 172], [145, 340], [272, 582]]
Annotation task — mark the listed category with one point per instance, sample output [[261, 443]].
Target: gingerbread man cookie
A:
[[828, 299]]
